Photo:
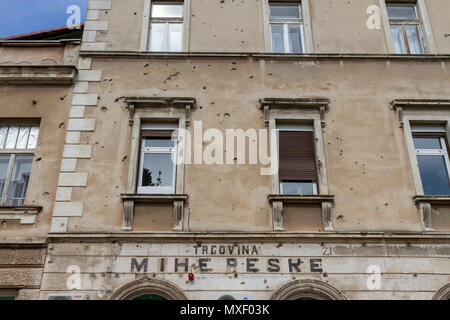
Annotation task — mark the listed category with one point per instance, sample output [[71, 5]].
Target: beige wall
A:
[[338, 26], [362, 151]]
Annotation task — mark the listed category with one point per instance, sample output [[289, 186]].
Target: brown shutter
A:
[[297, 156], [157, 133]]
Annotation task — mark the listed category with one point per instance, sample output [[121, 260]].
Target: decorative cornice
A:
[[38, 43], [168, 102], [399, 105], [300, 199], [319, 104], [26, 214], [12, 75], [259, 56]]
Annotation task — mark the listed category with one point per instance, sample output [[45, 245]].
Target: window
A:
[[430, 146], [17, 144], [297, 160], [286, 27], [157, 172], [8, 294], [166, 27], [406, 28]]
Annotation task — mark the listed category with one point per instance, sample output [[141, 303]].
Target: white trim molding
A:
[[294, 111], [431, 111], [427, 36], [145, 30], [156, 109], [306, 18]]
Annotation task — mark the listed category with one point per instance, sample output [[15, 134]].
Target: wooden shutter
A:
[[157, 133], [297, 156]]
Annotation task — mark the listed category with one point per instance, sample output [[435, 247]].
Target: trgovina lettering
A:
[[208, 311], [203, 264], [226, 250], [247, 309]]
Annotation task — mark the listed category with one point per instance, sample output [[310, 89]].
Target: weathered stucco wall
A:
[[411, 271], [362, 151]]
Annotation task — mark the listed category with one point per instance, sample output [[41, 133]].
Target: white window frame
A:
[[304, 22], [286, 22], [13, 153], [153, 150], [425, 31], [294, 127], [185, 20], [433, 152]]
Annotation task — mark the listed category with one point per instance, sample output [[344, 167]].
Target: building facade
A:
[[224, 149]]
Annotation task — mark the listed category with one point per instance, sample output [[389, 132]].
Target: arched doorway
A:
[[149, 289], [443, 293], [307, 290]]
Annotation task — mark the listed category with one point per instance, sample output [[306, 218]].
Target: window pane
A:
[[295, 41], [32, 140], [4, 162], [3, 133], [19, 180], [415, 45], [297, 187], [401, 12], [158, 37], [433, 173], [167, 10], [285, 11], [427, 143], [159, 143], [399, 42], [157, 170], [12, 137], [277, 39], [23, 138], [175, 37]]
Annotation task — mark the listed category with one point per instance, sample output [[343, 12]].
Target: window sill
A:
[[278, 200], [26, 214], [424, 203], [129, 200]]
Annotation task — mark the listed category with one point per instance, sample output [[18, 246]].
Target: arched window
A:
[[443, 293], [148, 289], [307, 290]]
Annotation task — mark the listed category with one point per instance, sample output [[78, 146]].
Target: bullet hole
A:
[[171, 77], [204, 88], [45, 193], [124, 158], [33, 102], [104, 109], [279, 244], [265, 280], [201, 107], [233, 69], [325, 274], [62, 98], [146, 65], [340, 218], [194, 67], [386, 204], [235, 274], [61, 125], [213, 103], [415, 275], [135, 13], [38, 159], [145, 73], [243, 282], [270, 74], [226, 115], [251, 77], [233, 62]]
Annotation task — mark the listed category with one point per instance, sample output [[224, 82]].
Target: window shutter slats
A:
[[157, 133], [297, 156]]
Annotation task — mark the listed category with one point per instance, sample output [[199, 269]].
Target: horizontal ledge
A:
[[37, 74], [432, 199], [154, 198], [420, 103], [300, 199], [181, 102], [39, 43], [258, 55], [294, 102], [20, 209], [248, 236]]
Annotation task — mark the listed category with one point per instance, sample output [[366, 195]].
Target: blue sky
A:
[[24, 16]]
